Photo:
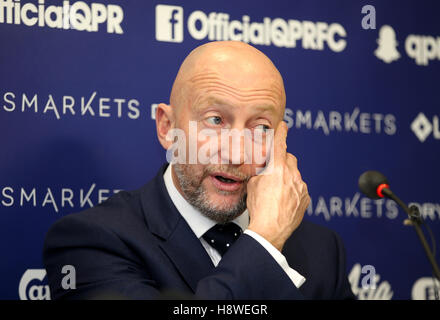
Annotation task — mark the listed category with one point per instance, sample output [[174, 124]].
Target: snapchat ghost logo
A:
[[386, 51]]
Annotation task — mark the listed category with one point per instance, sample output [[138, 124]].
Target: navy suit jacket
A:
[[136, 245]]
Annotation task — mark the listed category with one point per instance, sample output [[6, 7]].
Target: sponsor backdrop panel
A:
[[79, 83]]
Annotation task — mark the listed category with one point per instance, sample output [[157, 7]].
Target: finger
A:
[[291, 161], [292, 164], [279, 145], [305, 190], [306, 197]]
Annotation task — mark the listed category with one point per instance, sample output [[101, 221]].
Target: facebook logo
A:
[[169, 23]]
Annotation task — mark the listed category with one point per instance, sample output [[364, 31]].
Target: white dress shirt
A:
[[199, 224]]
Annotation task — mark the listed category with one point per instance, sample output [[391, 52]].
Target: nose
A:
[[236, 147]]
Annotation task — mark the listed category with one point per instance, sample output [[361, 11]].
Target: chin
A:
[[223, 199]]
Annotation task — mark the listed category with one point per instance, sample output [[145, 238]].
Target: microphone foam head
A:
[[369, 181]]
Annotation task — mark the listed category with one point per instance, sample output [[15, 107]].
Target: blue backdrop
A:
[[79, 82]]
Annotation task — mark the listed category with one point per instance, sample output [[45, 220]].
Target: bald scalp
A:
[[236, 62]]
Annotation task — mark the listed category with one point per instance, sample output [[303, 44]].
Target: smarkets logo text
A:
[[271, 31], [78, 15]]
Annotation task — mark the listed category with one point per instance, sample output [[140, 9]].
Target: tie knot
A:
[[222, 236]]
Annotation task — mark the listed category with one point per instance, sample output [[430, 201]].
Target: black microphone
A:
[[375, 186], [372, 184]]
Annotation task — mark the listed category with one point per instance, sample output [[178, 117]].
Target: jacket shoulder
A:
[[118, 211], [316, 232], [102, 243], [112, 225]]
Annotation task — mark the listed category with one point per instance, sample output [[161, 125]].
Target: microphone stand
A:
[[416, 219]]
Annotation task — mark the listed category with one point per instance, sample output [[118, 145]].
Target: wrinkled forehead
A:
[[218, 85], [238, 76]]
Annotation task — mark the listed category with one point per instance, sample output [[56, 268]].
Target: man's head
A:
[[221, 85]]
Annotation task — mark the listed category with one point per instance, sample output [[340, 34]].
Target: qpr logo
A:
[[423, 127], [31, 286]]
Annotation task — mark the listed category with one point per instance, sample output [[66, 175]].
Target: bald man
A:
[[215, 223]]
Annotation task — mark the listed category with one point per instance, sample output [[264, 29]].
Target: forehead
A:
[[214, 88]]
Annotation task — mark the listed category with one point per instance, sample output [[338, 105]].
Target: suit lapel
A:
[[177, 240], [188, 254]]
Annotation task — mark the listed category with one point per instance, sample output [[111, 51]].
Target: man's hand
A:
[[277, 201]]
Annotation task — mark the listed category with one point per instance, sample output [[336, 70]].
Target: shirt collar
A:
[[198, 223]]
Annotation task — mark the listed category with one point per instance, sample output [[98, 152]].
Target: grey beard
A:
[[197, 196]]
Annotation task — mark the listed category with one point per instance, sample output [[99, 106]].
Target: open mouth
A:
[[225, 180]]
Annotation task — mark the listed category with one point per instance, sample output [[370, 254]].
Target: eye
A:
[[262, 127], [214, 120]]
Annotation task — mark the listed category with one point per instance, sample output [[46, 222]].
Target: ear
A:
[[164, 123]]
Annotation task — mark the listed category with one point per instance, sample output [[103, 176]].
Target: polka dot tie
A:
[[222, 236]]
